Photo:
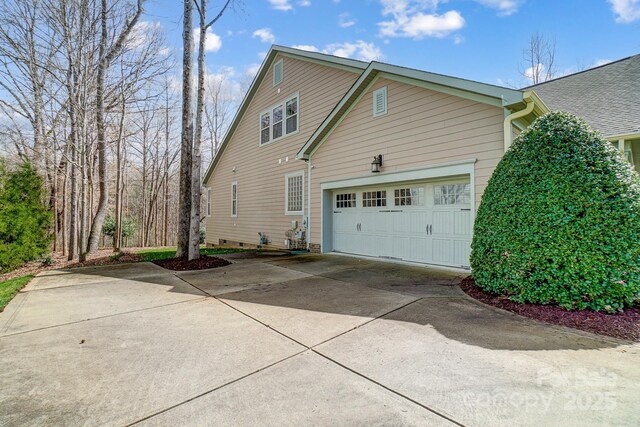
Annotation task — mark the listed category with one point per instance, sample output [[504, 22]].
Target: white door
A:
[[428, 222]]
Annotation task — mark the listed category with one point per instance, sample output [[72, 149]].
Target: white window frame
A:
[[234, 184], [269, 111], [208, 207], [275, 65], [440, 199], [286, 193], [386, 101]]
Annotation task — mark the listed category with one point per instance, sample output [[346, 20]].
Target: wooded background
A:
[[89, 96]]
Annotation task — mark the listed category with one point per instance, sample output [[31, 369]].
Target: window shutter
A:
[[380, 102], [278, 72]]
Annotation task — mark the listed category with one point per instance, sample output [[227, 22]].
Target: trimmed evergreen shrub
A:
[[559, 222], [25, 221]]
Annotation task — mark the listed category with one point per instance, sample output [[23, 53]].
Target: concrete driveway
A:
[[305, 340]]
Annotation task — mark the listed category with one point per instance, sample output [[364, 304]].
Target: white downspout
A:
[[511, 117], [308, 230]]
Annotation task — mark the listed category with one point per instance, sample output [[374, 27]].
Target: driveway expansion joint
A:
[[202, 298], [313, 349], [221, 386], [397, 393]]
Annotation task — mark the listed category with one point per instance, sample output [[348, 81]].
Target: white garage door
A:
[[427, 222]]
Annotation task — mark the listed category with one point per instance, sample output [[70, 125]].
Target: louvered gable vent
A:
[[278, 72], [380, 102]]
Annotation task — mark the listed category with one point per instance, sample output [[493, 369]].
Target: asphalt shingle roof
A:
[[607, 97]]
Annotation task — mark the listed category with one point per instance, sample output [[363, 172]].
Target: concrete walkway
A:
[[305, 340]]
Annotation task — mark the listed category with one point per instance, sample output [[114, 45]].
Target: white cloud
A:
[[262, 55], [417, 19], [252, 70], [358, 50], [421, 25], [265, 35], [283, 5], [304, 3], [140, 34], [458, 39], [626, 11], [306, 47], [345, 20], [212, 41], [504, 7], [530, 72], [600, 62]]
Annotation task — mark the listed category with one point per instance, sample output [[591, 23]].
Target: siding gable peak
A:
[[276, 51]]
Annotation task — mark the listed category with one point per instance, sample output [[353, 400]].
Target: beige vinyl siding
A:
[[259, 174], [421, 128]]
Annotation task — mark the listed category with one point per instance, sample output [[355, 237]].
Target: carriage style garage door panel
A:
[[426, 222]]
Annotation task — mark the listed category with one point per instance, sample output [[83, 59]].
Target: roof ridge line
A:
[[581, 71]]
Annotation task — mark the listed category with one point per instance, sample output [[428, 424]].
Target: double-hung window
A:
[[208, 202], [279, 121], [294, 193], [234, 199]]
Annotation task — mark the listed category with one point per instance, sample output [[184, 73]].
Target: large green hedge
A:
[[559, 221], [25, 221]]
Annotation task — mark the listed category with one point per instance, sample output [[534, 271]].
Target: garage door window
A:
[[456, 194], [347, 200], [374, 199], [409, 196]]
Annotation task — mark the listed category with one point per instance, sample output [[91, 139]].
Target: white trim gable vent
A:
[[380, 102], [278, 72]]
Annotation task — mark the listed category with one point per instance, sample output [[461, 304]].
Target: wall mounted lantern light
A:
[[376, 164]]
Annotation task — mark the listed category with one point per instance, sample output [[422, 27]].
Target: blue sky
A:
[[475, 39]]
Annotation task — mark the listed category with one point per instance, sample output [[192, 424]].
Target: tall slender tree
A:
[[186, 140], [107, 55], [196, 165]]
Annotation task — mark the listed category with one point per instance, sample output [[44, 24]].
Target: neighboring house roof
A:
[[480, 92], [607, 97], [335, 61]]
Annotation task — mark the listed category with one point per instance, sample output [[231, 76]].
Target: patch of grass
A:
[[9, 288], [154, 254]]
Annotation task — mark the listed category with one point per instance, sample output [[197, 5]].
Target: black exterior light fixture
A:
[[376, 164]]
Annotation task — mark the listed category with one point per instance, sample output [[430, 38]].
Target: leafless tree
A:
[[196, 164], [107, 54], [85, 105], [538, 59], [218, 108]]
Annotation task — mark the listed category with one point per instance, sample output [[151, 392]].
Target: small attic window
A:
[[278, 73], [380, 102]]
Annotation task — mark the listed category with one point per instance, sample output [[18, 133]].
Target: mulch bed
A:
[[58, 260], [182, 264], [625, 325], [109, 260]]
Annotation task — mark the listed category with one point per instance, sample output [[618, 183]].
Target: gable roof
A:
[[481, 92], [605, 96], [331, 60]]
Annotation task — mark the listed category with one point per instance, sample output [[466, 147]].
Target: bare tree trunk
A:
[[106, 57], [117, 234], [196, 193], [73, 203], [194, 230], [186, 145]]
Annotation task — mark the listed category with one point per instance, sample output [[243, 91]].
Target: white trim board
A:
[[462, 167]]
